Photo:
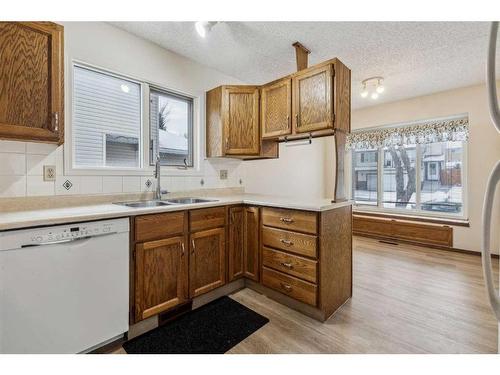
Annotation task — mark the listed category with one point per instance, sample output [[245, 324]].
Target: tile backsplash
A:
[[21, 175]]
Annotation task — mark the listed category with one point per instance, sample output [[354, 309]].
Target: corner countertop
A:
[[34, 218]]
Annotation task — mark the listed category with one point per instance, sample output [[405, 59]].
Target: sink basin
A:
[[189, 200], [144, 204]]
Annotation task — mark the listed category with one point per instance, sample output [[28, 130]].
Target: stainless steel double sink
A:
[[166, 202]]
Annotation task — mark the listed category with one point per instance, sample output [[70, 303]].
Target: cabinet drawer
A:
[[297, 243], [301, 221], [153, 227], [290, 264], [207, 218], [289, 285]]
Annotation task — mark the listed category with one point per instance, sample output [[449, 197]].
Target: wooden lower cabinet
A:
[[207, 262], [161, 276], [236, 243], [251, 235]]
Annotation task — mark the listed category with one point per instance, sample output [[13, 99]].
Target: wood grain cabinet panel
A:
[[207, 262], [241, 120], [31, 81], [293, 287], [300, 221], [293, 242], [312, 100], [276, 109], [158, 226], [207, 218], [161, 276], [236, 242], [252, 242], [303, 268]]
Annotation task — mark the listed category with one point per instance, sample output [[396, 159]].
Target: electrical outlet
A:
[[223, 174], [49, 172]]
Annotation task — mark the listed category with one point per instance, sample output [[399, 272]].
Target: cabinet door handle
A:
[[297, 119], [182, 249], [287, 265], [227, 143], [286, 220], [286, 287], [286, 242], [56, 121], [288, 120], [193, 246]]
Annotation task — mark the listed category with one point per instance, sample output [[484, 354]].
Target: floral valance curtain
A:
[[455, 129]]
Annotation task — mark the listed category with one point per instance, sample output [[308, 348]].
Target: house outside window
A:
[[424, 177]]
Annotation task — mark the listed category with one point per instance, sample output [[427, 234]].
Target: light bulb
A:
[[201, 28], [380, 89], [364, 92], [374, 95]]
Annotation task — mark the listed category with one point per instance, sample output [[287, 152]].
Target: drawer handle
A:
[[286, 242], [287, 265], [286, 220], [286, 287], [193, 246]]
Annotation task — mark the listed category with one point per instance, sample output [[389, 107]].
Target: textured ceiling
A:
[[415, 58]]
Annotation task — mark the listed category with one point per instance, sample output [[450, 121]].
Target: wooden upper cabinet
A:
[[207, 263], [161, 276], [313, 100], [236, 242], [241, 120], [251, 243], [31, 81], [233, 124], [276, 109]]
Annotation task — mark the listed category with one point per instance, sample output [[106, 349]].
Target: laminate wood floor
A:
[[406, 299]]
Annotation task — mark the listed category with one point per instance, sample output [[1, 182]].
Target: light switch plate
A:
[[223, 174], [49, 172]]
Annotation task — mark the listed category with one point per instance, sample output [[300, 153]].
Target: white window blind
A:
[[106, 120]]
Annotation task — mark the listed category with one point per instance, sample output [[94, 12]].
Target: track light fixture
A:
[[372, 87]]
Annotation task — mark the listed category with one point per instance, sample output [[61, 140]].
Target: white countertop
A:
[[26, 219]]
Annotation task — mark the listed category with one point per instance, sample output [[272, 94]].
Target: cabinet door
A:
[[161, 274], [236, 242], [31, 81], [251, 240], [312, 100], [241, 121], [207, 269], [276, 109]]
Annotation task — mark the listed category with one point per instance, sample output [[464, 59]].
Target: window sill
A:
[[421, 219]]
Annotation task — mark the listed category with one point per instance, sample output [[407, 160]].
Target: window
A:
[[365, 176], [171, 128], [106, 120], [412, 168]]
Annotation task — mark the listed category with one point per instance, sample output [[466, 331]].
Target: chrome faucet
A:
[[158, 191]]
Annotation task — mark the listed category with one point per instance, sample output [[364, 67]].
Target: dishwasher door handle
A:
[[68, 240]]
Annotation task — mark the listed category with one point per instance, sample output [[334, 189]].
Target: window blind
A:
[[106, 113]]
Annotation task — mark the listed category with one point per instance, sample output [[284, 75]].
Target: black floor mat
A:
[[212, 329]]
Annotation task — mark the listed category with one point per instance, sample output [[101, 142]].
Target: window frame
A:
[[417, 212], [190, 99], [145, 168]]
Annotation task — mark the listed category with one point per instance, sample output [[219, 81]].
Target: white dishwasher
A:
[[65, 288]]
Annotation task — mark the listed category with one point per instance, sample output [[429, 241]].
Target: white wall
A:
[[483, 148], [103, 45], [305, 171]]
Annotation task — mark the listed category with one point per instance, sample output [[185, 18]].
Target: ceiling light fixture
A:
[[372, 86], [204, 27]]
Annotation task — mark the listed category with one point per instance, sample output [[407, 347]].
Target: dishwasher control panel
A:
[[61, 233]]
